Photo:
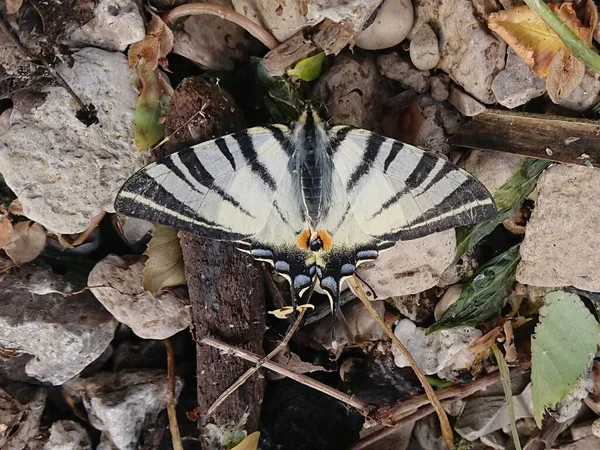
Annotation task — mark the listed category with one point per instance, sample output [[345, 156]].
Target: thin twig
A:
[[362, 407], [89, 111], [242, 379], [173, 426], [194, 9], [445, 424]]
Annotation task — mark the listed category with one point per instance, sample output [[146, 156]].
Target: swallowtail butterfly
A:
[[310, 199]]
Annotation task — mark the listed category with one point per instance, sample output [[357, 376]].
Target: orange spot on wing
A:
[[303, 239], [325, 239]]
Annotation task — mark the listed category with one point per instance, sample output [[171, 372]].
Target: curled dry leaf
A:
[[148, 128], [153, 49], [13, 6], [534, 41], [564, 75], [6, 230], [164, 267], [26, 242], [16, 208]]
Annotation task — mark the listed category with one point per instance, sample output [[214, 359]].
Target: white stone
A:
[[444, 349], [64, 334], [149, 316], [560, 248], [492, 169], [390, 27], [64, 172], [464, 103], [424, 48], [122, 404], [586, 94], [470, 54], [440, 87], [448, 299], [68, 435], [401, 69], [517, 83], [410, 267], [116, 24]]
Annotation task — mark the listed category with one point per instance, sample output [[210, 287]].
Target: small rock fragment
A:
[[586, 94], [109, 398], [496, 440], [149, 316], [470, 54], [21, 408], [424, 48], [465, 104], [410, 267], [440, 121], [448, 299], [569, 406], [440, 87], [517, 83], [558, 248], [65, 172], [351, 89], [132, 230], [392, 23], [401, 69], [439, 350], [68, 435], [63, 333], [116, 24], [590, 442], [492, 169], [416, 307], [428, 434]]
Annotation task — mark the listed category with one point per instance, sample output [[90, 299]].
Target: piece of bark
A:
[[225, 285], [297, 47], [332, 37], [555, 138]]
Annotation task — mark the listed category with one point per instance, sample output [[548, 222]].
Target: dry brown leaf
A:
[[13, 6], [16, 208], [164, 267], [153, 49], [6, 230], [564, 75], [509, 346], [27, 241], [529, 36]]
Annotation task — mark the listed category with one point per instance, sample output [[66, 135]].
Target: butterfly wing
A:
[[234, 188]]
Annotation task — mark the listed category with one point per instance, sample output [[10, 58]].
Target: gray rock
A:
[[444, 349], [63, 333], [149, 316], [410, 267], [586, 94], [390, 27], [132, 230], [590, 442], [21, 408], [464, 103], [569, 406], [440, 121], [116, 24], [440, 87], [470, 54], [559, 249], [68, 435], [64, 172], [428, 434], [492, 169], [424, 48], [416, 307], [517, 83], [401, 69], [109, 398]]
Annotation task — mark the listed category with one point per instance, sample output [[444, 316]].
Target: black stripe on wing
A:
[[222, 146], [338, 138], [244, 140], [374, 143], [396, 147]]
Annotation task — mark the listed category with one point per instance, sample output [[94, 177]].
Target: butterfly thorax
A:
[[312, 166]]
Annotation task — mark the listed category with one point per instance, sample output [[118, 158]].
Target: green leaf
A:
[[280, 95], [508, 198], [562, 349], [506, 386], [147, 128], [308, 69], [484, 295], [164, 266]]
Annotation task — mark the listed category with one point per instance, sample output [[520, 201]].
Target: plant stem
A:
[[575, 45]]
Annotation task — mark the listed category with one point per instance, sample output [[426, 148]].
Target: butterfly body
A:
[[312, 200]]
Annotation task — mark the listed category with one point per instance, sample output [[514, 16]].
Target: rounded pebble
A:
[[424, 48], [392, 24]]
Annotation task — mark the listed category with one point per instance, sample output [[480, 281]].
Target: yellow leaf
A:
[[529, 36], [164, 267], [250, 443], [26, 242], [153, 49]]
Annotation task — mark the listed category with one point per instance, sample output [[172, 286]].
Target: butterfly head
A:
[[309, 116]]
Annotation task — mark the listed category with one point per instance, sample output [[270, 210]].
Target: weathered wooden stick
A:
[[555, 138]]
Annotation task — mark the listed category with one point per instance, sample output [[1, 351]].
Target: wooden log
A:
[[555, 138], [225, 286]]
